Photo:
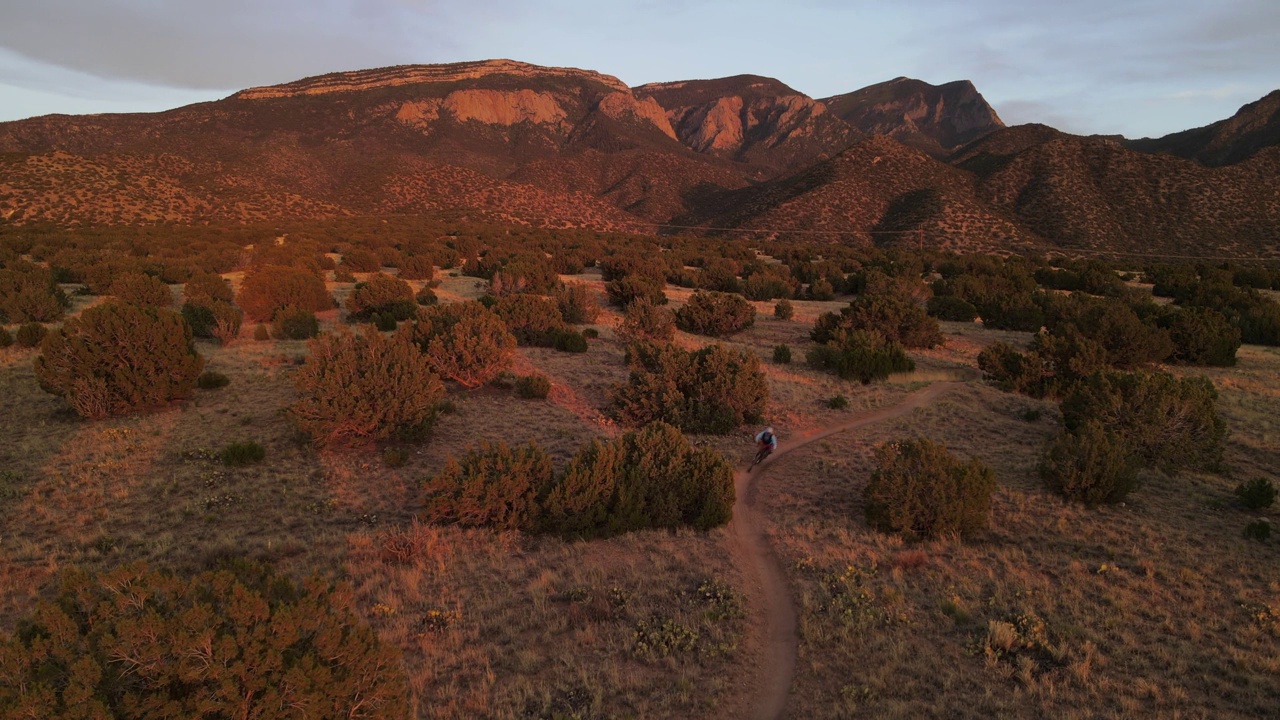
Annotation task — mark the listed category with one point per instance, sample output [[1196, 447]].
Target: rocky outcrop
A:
[[934, 118], [422, 74], [624, 105], [750, 119]]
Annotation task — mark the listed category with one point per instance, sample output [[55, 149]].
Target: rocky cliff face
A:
[[424, 75], [750, 119], [934, 118], [558, 146], [1254, 127]]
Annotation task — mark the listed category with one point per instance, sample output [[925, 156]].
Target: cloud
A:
[[1100, 65], [233, 43]]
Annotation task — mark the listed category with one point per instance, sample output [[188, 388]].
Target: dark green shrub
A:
[[362, 388], [1012, 371], [426, 296], [1259, 530], [534, 321], [268, 289], [627, 290], [1257, 493], [210, 380], [894, 317], [782, 354], [361, 260], [950, 307], [570, 341], [862, 356], [577, 304], [416, 267], [1166, 421], [839, 402], [821, 289], [214, 319], [381, 295], [204, 288], [465, 342], [199, 318], [29, 293], [493, 486], [1032, 414], [715, 314], [241, 454], [713, 390], [117, 358], [260, 333], [30, 334], [1202, 336], [647, 322], [139, 289], [533, 387], [920, 490], [6, 339], [385, 322], [649, 478], [784, 310], [590, 333], [1090, 465], [294, 323], [1127, 341], [238, 642]]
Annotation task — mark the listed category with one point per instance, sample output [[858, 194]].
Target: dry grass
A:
[[1156, 608]]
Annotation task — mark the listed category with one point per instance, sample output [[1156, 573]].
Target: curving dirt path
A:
[[751, 551]]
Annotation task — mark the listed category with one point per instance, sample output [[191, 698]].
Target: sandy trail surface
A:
[[769, 595]]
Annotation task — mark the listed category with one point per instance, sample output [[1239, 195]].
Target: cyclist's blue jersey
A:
[[770, 438]]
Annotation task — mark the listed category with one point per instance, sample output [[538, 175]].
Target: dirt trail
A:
[[752, 552]]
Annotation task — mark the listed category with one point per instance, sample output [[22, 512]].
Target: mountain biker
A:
[[766, 443]]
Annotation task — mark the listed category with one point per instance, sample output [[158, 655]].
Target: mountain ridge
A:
[[568, 147]]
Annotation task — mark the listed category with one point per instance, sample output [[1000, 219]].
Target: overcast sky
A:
[[1136, 67]]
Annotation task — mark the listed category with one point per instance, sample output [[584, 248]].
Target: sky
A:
[[1141, 68]]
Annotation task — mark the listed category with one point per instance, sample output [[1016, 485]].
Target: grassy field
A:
[[1159, 607]]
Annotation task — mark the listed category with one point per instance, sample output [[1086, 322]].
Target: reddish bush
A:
[[361, 388], [465, 342], [140, 289], [381, 294], [533, 320], [647, 322], [205, 288], [28, 293], [920, 491], [118, 358], [712, 390], [361, 260], [494, 486], [241, 642], [271, 288], [715, 314], [577, 303]]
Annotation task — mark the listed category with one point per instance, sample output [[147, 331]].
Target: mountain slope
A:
[[933, 118], [1094, 193], [878, 191], [751, 119], [1254, 127]]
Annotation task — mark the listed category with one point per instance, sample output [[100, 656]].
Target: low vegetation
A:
[[360, 388], [117, 358]]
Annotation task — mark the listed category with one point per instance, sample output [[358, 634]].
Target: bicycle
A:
[[761, 454]]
